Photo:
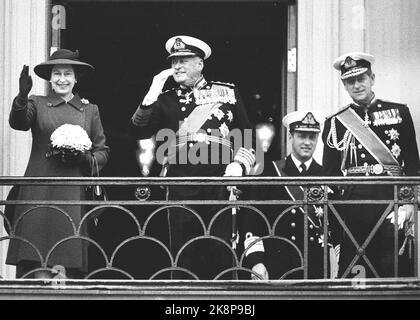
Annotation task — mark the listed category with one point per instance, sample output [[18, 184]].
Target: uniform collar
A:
[[199, 84], [372, 101], [298, 162], [54, 100]]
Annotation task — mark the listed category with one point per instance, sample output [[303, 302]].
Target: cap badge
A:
[[178, 45], [349, 63], [309, 119]]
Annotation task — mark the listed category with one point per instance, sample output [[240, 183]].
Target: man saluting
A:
[[201, 115]]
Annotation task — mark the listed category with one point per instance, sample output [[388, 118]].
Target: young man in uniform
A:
[[281, 255]]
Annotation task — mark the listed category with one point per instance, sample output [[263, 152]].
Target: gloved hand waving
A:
[[25, 82]]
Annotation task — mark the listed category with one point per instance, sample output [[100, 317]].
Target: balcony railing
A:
[[136, 250]]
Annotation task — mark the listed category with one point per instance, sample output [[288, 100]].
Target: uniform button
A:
[[386, 131], [293, 238], [209, 130], [81, 109], [293, 224], [387, 142], [185, 119], [379, 105], [49, 104], [183, 109], [191, 145], [311, 239], [293, 211], [360, 146], [311, 226], [363, 155], [365, 164]]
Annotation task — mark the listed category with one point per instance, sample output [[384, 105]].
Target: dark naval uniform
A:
[[343, 153], [280, 257], [173, 107]]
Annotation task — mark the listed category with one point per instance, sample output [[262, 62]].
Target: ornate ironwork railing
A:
[[135, 242]]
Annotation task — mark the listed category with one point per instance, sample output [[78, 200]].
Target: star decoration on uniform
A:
[[187, 100], [84, 101], [396, 150], [219, 114], [367, 121], [321, 240], [393, 134], [224, 130], [230, 116], [319, 212]]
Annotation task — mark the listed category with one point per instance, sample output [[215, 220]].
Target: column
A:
[[326, 29], [23, 35]]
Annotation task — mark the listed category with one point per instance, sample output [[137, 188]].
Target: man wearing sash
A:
[[277, 258], [201, 115], [369, 137]]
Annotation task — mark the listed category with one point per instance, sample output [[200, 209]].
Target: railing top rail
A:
[[255, 180]]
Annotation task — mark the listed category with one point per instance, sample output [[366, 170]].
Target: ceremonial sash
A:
[[295, 192], [194, 122], [367, 137]]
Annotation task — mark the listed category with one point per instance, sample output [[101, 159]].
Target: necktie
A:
[[303, 166]]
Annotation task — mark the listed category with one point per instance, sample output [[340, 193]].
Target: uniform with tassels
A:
[[378, 140], [224, 111], [389, 134], [195, 115]]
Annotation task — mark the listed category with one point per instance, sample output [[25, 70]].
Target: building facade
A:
[[322, 29]]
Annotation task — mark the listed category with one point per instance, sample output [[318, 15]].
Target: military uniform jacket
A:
[[290, 226], [390, 121], [393, 125], [174, 106]]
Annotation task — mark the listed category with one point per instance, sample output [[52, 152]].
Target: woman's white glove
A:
[[157, 86]]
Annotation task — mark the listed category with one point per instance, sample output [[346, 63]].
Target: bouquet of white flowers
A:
[[68, 143]]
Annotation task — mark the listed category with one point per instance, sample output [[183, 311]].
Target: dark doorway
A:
[[125, 40]]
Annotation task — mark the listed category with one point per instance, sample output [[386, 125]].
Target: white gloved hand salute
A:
[[157, 86]]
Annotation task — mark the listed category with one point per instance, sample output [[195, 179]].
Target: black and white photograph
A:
[[209, 150]]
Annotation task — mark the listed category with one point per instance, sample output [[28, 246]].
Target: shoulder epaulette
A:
[[166, 91], [386, 102], [339, 111], [231, 85]]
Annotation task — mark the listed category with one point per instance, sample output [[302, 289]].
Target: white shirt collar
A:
[[371, 101], [298, 163]]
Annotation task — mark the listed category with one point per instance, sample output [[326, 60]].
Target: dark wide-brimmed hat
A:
[[63, 56]]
